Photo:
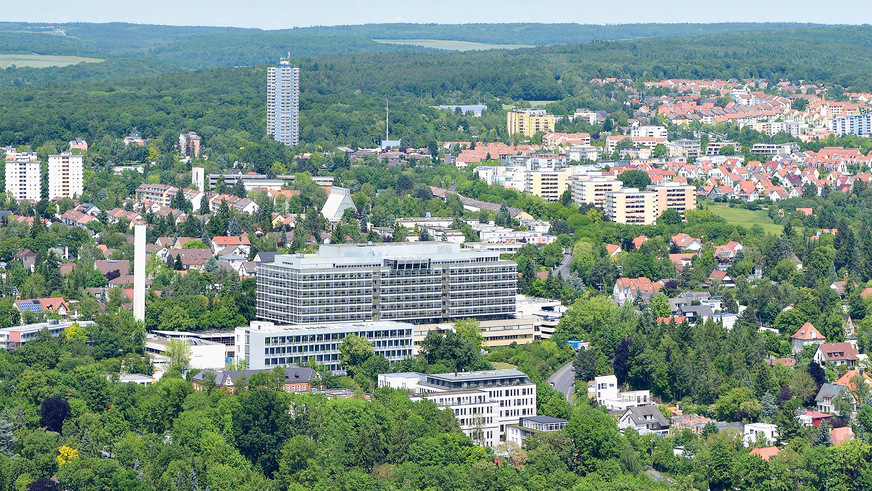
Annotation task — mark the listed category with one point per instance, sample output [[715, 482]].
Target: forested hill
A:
[[207, 47]]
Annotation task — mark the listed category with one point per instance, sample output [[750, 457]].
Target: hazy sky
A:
[[278, 14]]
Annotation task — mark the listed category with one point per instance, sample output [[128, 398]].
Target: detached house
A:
[[837, 354], [627, 289], [646, 420], [686, 243], [805, 335]]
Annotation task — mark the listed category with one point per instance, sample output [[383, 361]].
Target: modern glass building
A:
[[283, 103], [423, 282]]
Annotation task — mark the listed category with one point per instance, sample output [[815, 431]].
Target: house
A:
[[27, 258], [839, 436], [847, 381], [805, 335], [533, 425], [645, 420], [728, 251], [628, 289], [827, 393], [685, 242], [112, 267], [613, 250], [837, 354], [719, 277], [240, 242], [610, 396], [190, 258], [755, 432], [638, 241], [765, 453], [297, 379], [812, 418]]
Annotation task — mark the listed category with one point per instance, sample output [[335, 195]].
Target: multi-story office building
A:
[[484, 403], [631, 206], [283, 103], [528, 122], [674, 196], [23, 176], [422, 282], [592, 188], [65, 175], [860, 125], [267, 345]]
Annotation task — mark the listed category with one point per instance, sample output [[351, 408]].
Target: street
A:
[[564, 381]]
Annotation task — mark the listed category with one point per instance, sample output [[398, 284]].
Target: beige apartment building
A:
[[65, 175], [592, 189], [631, 206], [547, 184], [674, 196], [528, 122]]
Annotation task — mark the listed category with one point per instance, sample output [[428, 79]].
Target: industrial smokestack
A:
[[139, 272]]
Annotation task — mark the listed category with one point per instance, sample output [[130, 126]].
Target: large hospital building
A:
[[427, 282]]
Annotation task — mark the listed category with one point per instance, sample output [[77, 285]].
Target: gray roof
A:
[[266, 257], [544, 419], [828, 391], [292, 374], [480, 375], [638, 415]]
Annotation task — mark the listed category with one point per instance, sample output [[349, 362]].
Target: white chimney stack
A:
[[139, 272]]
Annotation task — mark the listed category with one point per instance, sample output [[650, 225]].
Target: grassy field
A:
[[450, 45], [42, 61], [746, 218]]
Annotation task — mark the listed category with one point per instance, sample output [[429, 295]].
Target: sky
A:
[[278, 14]]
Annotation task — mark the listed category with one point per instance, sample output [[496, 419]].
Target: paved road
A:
[[563, 380], [563, 267]]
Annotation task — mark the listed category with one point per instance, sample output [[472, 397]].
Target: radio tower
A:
[[387, 120]]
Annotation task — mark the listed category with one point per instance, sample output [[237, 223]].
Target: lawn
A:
[[747, 218], [450, 45], [42, 61]]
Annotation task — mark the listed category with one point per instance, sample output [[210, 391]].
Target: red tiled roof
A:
[[839, 436], [765, 453], [839, 351], [807, 332]]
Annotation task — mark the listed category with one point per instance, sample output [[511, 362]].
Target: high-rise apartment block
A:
[[528, 122], [65, 175], [283, 103], [859, 125], [23, 176], [424, 282], [631, 206], [674, 196], [189, 144], [592, 188]]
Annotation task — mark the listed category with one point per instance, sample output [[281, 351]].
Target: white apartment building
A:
[[631, 206], [65, 175], [860, 125], [421, 282], [546, 184], [578, 153], [283, 103], [534, 425], [204, 354], [23, 175], [265, 345], [485, 403], [649, 131], [592, 188], [610, 396]]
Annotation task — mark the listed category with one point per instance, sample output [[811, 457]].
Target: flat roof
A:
[[39, 326], [479, 375], [264, 326], [544, 419]]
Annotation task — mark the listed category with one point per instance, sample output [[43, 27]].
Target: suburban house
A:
[[646, 420], [610, 396], [685, 242], [297, 379], [241, 243], [721, 278], [765, 453], [824, 399], [27, 258], [805, 335], [837, 354], [533, 425], [628, 289], [755, 432]]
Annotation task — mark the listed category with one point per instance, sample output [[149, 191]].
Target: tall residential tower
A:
[[65, 175], [283, 103]]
